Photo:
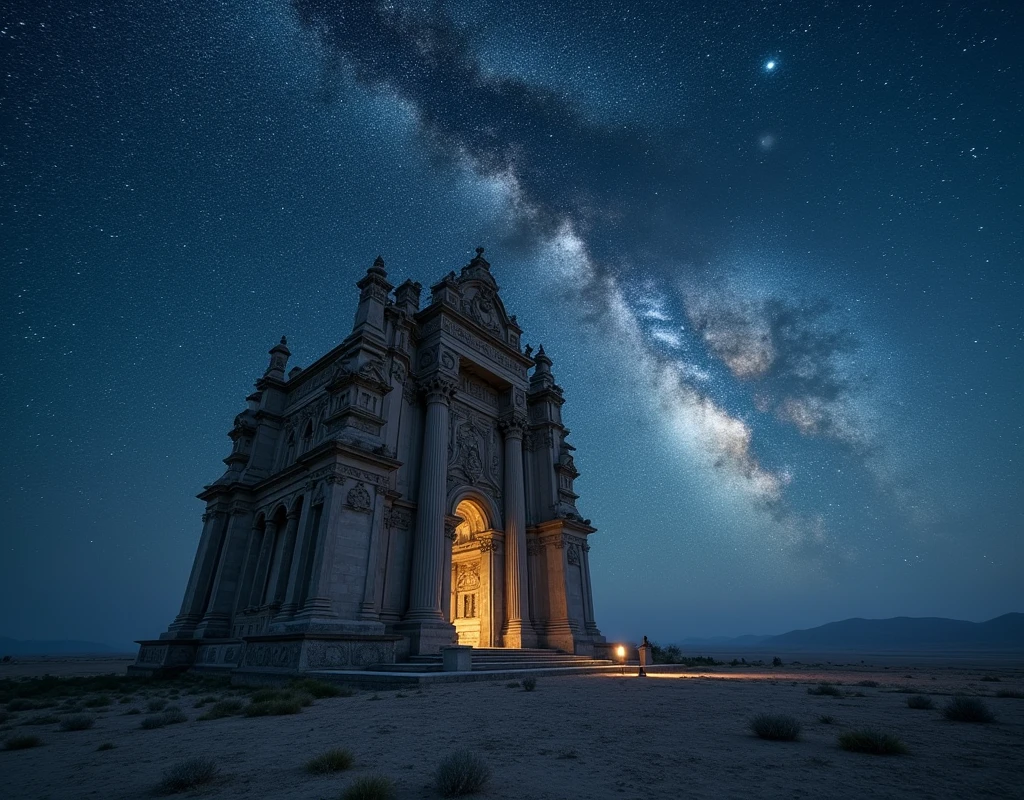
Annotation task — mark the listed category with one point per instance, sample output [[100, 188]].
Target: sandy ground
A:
[[573, 737]]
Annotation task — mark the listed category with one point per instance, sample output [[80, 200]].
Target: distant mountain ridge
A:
[[16, 647], [1002, 633]]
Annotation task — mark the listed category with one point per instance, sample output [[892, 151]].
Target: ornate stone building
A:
[[411, 489]]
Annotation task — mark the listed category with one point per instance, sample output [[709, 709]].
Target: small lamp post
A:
[[621, 653], [645, 657]]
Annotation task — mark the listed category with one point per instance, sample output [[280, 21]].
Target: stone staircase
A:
[[499, 659]]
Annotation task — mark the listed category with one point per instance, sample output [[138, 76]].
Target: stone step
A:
[[492, 666]]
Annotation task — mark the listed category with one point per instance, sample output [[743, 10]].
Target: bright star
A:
[[769, 66]]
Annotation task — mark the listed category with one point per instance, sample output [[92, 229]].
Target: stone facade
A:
[[411, 489]]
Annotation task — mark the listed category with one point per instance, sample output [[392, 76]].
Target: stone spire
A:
[[542, 377], [478, 269], [373, 296], [279, 355]]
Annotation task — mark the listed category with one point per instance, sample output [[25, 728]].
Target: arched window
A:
[[307, 436], [288, 454]]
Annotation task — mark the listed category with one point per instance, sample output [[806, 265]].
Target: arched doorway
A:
[[472, 590]]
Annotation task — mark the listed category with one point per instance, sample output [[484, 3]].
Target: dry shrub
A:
[[370, 787], [156, 704], [869, 684], [41, 719], [827, 719], [105, 746], [529, 683], [920, 701], [868, 740], [825, 688], [223, 708], [77, 722], [776, 727], [461, 773], [22, 742], [968, 709], [97, 702], [273, 708], [171, 716], [187, 775], [23, 704], [319, 689], [1010, 693], [333, 760]]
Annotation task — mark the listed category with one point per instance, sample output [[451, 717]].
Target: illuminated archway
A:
[[470, 601]]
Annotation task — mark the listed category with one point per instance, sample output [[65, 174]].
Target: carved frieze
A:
[[573, 555], [479, 391], [474, 342]]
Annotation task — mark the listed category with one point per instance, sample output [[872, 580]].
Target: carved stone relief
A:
[[358, 499]]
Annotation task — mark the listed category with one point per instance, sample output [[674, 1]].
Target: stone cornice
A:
[[334, 447], [546, 394], [554, 525]]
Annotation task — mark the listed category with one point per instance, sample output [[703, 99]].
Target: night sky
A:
[[774, 250]]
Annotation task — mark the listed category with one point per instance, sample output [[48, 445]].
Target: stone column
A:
[[490, 580], [293, 575], [279, 577], [217, 619], [259, 582], [450, 524], [428, 548], [203, 572], [425, 622], [518, 631], [588, 595]]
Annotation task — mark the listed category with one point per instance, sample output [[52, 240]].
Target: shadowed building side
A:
[[411, 489]]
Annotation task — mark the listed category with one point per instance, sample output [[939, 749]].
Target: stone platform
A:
[[487, 664]]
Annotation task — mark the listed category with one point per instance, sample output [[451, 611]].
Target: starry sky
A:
[[774, 250]]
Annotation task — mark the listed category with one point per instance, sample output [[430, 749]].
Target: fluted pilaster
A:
[[279, 576], [259, 583]]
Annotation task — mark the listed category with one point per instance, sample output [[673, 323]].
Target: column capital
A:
[[450, 524], [438, 388], [513, 425]]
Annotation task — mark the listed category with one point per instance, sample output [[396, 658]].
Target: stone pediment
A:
[[481, 303]]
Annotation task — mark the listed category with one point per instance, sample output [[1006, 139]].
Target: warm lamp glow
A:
[[621, 651]]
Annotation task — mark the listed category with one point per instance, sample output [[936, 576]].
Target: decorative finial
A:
[[540, 350], [284, 340], [479, 251], [528, 350], [379, 262]]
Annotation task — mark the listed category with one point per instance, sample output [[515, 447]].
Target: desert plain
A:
[[678, 734]]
